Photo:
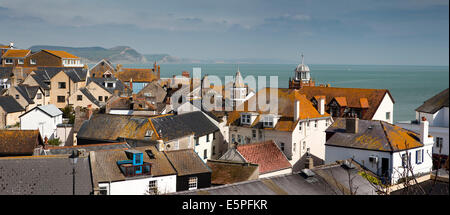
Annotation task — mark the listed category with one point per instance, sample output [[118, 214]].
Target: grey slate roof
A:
[[10, 105], [44, 175], [92, 147], [90, 96], [435, 103], [329, 179], [289, 184], [46, 73], [50, 109], [176, 126], [101, 82], [186, 162]]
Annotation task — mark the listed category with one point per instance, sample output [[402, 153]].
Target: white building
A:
[[142, 171], [384, 149], [271, 161], [435, 110], [292, 122], [45, 118]]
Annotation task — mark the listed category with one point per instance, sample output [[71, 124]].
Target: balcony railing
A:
[[130, 170]]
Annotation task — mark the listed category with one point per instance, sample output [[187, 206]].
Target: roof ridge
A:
[[386, 135]]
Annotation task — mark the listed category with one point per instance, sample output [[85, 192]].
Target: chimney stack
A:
[[321, 105], [45, 143], [89, 111], [296, 110], [309, 163], [351, 125], [424, 124], [11, 45]]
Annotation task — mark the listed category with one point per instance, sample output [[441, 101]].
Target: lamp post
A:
[[73, 160]]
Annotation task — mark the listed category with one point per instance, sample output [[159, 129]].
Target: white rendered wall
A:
[[165, 184], [36, 119], [206, 145], [422, 168], [275, 173], [334, 153], [386, 105]]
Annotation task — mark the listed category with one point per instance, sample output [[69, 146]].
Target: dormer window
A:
[[268, 121], [20, 61], [246, 119], [32, 61]]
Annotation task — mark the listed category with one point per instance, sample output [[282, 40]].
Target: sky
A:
[[384, 32]]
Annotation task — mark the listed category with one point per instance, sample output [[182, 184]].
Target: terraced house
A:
[[58, 83]]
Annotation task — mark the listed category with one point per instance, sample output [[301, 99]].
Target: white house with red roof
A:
[[267, 155]]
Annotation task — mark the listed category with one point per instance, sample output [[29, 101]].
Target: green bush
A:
[[54, 142]]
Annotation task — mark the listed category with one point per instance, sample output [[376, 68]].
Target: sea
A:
[[409, 85]]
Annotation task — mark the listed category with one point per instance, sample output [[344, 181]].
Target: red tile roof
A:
[[61, 54], [352, 97], [266, 154]]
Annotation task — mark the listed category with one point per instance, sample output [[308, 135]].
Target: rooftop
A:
[[229, 172], [44, 175], [435, 103], [350, 97], [19, 142], [16, 53], [373, 135], [186, 162], [266, 154]]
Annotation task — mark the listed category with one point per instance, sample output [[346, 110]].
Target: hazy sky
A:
[[413, 32]]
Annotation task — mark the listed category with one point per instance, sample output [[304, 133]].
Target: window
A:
[[419, 156], [196, 141], [282, 146], [439, 141], [47, 93], [62, 85], [315, 123], [245, 119], [388, 115], [39, 96], [214, 150], [103, 190], [260, 134], [110, 85], [326, 123], [32, 61], [193, 181], [79, 97], [307, 124], [106, 98], [100, 98], [153, 187], [205, 154], [20, 61], [300, 126], [8, 61], [254, 133], [207, 138], [239, 138], [268, 121], [214, 136], [295, 144], [406, 160], [61, 99], [17, 96], [304, 145]]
